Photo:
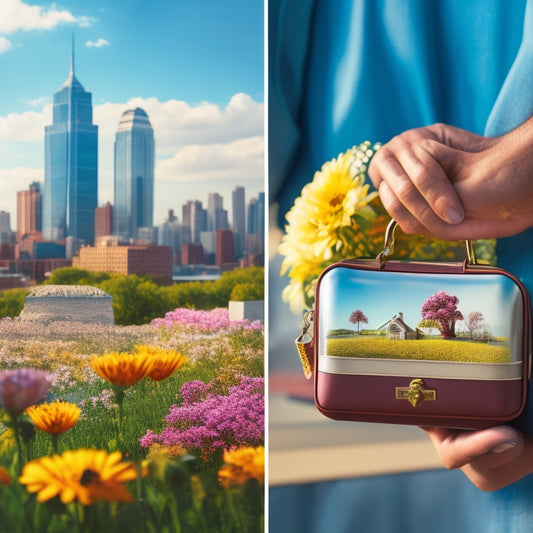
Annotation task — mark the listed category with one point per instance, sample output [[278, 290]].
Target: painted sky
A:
[[196, 68], [382, 296]]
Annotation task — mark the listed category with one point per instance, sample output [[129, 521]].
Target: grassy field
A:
[[420, 349]]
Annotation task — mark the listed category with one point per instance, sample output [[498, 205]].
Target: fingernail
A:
[[504, 447], [453, 216]]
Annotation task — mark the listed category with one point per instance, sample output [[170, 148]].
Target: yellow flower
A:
[[83, 475], [5, 478], [54, 418], [328, 221], [122, 369], [165, 362], [241, 465]]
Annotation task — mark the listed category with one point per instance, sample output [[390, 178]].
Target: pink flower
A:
[[21, 388]]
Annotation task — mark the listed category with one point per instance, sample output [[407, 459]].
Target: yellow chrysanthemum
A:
[[83, 475], [242, 465], [5, 478], [54, 418], [122, 369], [326, 221], [165, 362]]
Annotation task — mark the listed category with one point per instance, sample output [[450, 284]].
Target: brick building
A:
[[154, 260]]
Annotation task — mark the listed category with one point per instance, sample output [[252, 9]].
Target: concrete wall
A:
[[74, 303]]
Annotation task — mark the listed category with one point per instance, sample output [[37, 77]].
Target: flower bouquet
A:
[[337, 217]]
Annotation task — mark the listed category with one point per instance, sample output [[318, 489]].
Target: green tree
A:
[[246, 292], [12, 302], [136, 300]]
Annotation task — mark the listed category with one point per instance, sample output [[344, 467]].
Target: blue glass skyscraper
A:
[[71, 164], [134, 174]]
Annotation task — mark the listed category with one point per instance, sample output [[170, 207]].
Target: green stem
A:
[[18, 442], [54, 440]]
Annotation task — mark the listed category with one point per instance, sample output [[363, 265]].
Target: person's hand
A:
[[453, 184], [491, 458]]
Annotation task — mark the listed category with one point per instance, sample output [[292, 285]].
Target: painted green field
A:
[[421, 349]]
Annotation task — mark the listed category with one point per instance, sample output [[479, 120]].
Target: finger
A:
[[407, 222], [425, 165], [459, 448]]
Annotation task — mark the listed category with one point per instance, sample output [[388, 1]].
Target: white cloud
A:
[[5, 45], [17, 15], [97, 44], [241, 159], [27, 126]]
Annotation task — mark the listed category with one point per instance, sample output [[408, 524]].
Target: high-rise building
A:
[[171, 234], [239, 219], [134, 174], [6, 235], [217, 216], [225, 250], [103, 217], [255, 225], [70, 164], [195, 218], [29, 210]]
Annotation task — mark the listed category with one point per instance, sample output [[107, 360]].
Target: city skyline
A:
[[199, 80]]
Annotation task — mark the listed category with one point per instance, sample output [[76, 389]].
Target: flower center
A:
[[88, 477], [336, 200]]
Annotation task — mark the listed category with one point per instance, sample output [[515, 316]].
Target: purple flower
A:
[[21, 388], [198, 319], [214, 422]]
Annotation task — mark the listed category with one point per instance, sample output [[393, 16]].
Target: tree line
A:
[[139, 299]]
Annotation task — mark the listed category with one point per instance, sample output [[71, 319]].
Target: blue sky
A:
[[196, 67], [382, 296]]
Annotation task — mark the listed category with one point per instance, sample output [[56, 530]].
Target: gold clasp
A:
[[303, 342], [416, 393]]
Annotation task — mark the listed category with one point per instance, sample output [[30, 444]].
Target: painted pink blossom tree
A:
[[474, 322], [442, 308], [357, 317]]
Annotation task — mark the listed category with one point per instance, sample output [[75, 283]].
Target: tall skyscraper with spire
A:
[[134, 174], [71, 164]]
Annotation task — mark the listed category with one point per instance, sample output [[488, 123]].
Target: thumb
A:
[[458, 448]]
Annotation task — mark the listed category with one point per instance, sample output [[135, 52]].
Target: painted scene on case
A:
[[394, 315]]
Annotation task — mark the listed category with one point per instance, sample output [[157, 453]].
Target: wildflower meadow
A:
[[150, 428]]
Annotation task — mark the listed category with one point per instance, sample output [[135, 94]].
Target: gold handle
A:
[[388, 248]]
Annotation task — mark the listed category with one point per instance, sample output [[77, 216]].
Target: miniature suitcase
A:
[[442, 344]]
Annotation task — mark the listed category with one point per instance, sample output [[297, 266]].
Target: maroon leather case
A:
[[431, 344]]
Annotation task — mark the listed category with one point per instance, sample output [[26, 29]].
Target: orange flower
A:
[[83, 475], [165, 362], [122, 369], [5, 478], [241, 465], [54, 418]]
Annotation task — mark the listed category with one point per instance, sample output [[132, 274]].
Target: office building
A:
[[192, 254], [156, 261], [225, 248], [29, 210], [103, 221], [238, 219], [70, 193], [195, 218], [171, 234], [217, 216], [134, 174]]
